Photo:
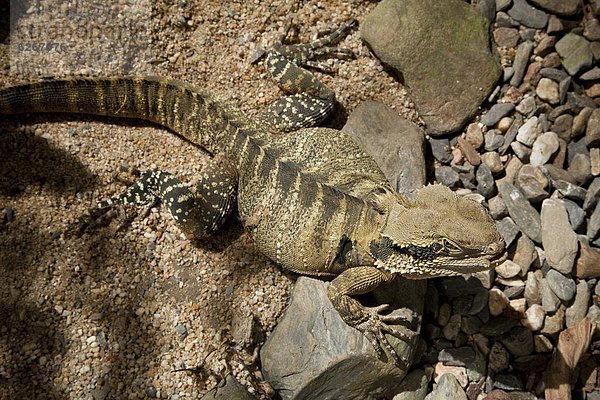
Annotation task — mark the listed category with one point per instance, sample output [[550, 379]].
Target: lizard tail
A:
[[181, 107]]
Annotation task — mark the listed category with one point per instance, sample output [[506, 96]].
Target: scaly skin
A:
[[314, 202]]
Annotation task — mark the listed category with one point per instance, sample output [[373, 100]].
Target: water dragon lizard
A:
[[313, 201]]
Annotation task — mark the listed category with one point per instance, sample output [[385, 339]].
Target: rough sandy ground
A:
[[113, 313]]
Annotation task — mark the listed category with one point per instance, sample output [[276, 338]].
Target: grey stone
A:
[[559, 241], [562, 126], [532, 291], [547, 90], [575, 53], [508, 382], [594, 223], [392, 141], [526, 106], [511, 134], [529, 131], [579, 102], [545, 46], [498, 358], [522, 213], [518, 341], [461, 356], [554, 25], [580, 166], [591, 29], [560, 7], [521, 61], [504, 20], [470, 324], [534, 317], [550, 300], [531, 181], [496, 113], [447, 388], [441, 149], [592, 133], [487, 8], [528, 15], [594, 315], [493, 141], [413, 387], [452, 329], [493, 161], [554, 73], [497, 326], [485, 181], [502, 5], [578, 310], [563, 287], [591, 75], [446, 176], [559, 111], [544, 147], [569, 190], [580, 122], [576, 214], [319, 357], [592, 195], [228, 389], [497, 208], [394, 29], [508, 230], [521, 151]]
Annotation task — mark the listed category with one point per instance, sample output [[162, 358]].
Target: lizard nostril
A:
[[495, 248]]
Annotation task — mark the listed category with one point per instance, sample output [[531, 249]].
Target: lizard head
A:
[[435, 234]]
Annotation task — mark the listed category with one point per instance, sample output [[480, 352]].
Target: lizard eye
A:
[[450, 246], [436, 247]]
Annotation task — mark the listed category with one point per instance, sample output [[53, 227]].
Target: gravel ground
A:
[[113, 313]]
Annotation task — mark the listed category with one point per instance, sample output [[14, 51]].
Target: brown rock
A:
[[469, 152], [595, 161], [588, 261], [592, 133], [506, 37], [474, 135], [493, 162]]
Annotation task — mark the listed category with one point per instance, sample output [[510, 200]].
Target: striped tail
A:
[[183, 108]]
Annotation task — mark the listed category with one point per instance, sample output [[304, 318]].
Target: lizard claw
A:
[[375, 326]]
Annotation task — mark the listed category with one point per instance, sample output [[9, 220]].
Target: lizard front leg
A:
[[369, 321], [309, 101]]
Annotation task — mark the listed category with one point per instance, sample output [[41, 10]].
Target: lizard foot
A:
[[376, 325]]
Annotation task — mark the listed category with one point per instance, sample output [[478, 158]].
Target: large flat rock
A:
[[312, 353], [441, 50]]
